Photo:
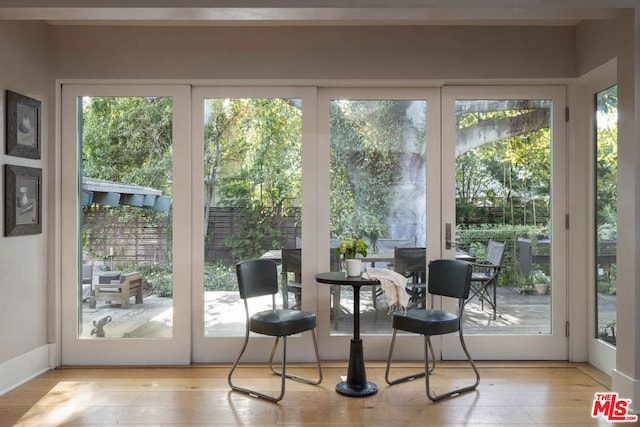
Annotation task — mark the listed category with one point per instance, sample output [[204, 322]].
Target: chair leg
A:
[[495, 299], [297, 377], [335, 289], [486, 296], [483, 295], [427, 344], [374, 296], [411, 376], [253, 392]]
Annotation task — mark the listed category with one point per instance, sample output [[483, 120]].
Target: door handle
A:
[[449, 244]]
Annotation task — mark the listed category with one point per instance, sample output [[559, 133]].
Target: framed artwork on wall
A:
[[23, 126], [23, 200]]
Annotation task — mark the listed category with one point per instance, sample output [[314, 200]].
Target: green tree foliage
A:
[[366, 139], [512, 172], [253, 157], [606, 177], [128, 140], [607, 158]]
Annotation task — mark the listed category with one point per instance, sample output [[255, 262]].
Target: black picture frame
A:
[[23, 200], [23, 126]]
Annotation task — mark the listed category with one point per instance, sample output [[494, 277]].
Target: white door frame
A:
[[188, 343], [600, 354], [375, 346], [127, 351], [516, 347], [226, 349]]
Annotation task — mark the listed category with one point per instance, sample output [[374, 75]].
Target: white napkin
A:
[[393, 284]]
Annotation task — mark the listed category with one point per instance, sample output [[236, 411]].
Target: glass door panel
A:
[[127, 275], [252, 201], [503, 186], [601, 106], [248, 197], [122, 149], [376, 169], [509, 146], [378, 194], [606, 218]]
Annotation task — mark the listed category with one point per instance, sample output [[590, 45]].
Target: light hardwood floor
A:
[[510, 394]]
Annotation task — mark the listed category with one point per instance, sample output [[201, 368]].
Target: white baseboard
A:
[[627, 388], [23, 368]]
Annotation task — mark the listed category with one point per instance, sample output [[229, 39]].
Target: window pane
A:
[[377, 190], [126, 268], [503, 182], [252, 180], [606, 232]]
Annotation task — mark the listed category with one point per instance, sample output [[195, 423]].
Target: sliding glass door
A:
[[124, 187], [159, 214]]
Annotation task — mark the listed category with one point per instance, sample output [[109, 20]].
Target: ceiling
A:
[[313, 12]]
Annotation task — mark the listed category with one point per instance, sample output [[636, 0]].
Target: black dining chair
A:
[[412, 263], [292, 263], [258, 278], [448, 278]]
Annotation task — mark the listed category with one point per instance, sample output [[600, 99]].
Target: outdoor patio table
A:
[[382, 256], [356, 384]]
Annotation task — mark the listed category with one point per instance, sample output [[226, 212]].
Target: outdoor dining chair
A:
[[447, 278], [412, 263], [257, 278], [292, 264], [484, 279]]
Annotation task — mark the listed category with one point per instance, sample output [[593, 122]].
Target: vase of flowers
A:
[[348, 249]]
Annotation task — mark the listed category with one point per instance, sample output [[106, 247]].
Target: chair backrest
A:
[[410, 262], [129, 276], [292, 260], [495, 252], [450, 278], [388, 244], [87, 270], [525, 256], [257, 277], [87, 273], [334, 260]]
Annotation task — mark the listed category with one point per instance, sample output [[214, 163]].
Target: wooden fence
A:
[[139, 238], [225, 222], [144, 238]]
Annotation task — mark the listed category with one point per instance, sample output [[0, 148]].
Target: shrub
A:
[[220, 277], [161, 284], [158, 279]]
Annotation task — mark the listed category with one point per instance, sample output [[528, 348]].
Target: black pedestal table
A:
[[356, 384]]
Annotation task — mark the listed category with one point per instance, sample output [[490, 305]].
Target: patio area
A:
[[224, 316]]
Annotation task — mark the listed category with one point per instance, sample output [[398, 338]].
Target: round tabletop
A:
[[341, 278]]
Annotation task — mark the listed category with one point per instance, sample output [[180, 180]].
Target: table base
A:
[[347, 389], [356, 384]]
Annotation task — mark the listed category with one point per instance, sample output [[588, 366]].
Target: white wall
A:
[[24, 259]]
